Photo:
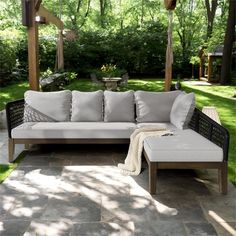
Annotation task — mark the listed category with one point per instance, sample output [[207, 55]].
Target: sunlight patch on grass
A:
[[219, 90], [6, 95]]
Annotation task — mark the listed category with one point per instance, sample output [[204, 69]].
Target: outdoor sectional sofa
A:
[[110, 117]]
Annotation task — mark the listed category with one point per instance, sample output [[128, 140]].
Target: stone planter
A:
[[111, 84]]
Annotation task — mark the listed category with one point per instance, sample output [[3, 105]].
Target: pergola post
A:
[[209, 70], [169, 5], [168, 77], [31, 8], [33, 53]]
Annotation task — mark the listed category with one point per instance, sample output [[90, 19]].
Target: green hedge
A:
[[7, 60], [137, 50], [140, 51]]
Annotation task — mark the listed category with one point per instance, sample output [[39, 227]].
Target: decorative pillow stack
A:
[[119, 106], [182, 110], [154, 106], [47, 106], [87, 106]]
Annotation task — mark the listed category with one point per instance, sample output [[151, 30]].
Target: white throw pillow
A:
[[154, 106], [47, 106], [87, 106], [182, 110], [119, 106]]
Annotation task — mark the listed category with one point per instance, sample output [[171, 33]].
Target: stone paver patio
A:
[[78, 190]]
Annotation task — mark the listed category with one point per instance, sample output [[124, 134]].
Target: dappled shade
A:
[[79, 190]]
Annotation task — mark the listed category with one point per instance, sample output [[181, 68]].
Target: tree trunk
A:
[[142, 12], [211, 10], [102, 12], [228, 44], [86, 14]]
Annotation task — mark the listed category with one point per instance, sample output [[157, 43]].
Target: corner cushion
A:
[[182, 110]]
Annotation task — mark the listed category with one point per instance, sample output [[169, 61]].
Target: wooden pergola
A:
[[31, 10]]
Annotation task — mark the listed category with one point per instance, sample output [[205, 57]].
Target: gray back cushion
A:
[[119, 106], [154, 106], [47, 106], [182, 110], [87, 106]]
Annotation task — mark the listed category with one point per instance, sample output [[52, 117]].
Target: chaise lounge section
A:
[[203, 146]]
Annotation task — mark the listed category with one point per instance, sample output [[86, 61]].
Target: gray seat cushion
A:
[[74, 130], [183, 146], [166, 125], [154, 106]]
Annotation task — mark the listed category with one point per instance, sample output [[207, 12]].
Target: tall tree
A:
[[189, 27], [78, 12], [211, 11], [103, 8], [228, 44], [142, 11]]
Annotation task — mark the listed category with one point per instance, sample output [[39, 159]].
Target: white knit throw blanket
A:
[[133, 161]]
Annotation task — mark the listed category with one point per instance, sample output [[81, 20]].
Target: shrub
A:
[[50, 81], [47, 53], [7, 61], [137, 50]]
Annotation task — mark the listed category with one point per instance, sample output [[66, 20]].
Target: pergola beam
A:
[[50, 18], [37, 4]]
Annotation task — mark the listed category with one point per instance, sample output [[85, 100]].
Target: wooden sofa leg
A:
[[152, 177], [222, 178], [11, 150]]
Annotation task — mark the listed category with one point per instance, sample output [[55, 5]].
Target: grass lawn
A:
[[218, 96], [221, 98], [12, 92], [6, 170]]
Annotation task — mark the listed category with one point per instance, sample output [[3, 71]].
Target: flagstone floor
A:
[[78, 190]]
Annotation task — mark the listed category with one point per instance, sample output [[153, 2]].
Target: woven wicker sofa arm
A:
[[211, 130], [15, 114]]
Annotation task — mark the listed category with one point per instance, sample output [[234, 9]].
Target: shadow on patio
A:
[[78, 190]]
